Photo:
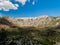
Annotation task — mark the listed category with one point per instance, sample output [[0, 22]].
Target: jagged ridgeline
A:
[[43, 30]]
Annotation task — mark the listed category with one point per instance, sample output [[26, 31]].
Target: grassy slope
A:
[[46, 36]]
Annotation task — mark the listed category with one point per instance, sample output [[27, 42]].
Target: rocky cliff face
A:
[[42, 21]]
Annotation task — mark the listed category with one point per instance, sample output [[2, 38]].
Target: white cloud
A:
[[6, 5], [33, 3], [22, 1]]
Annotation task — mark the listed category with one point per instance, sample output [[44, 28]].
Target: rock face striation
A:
[[41, 21]]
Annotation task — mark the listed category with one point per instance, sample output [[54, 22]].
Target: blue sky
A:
[[30, 8]]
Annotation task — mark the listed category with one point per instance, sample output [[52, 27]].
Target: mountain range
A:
[[40, 22]]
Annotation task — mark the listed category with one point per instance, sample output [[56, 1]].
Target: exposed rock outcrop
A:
[[42, 21]]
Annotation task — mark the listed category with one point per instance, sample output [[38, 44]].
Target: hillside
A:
[[42, 30], [40, 22]]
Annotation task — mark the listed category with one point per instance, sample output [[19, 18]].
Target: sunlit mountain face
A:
[[40, 21], [30, 21]]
